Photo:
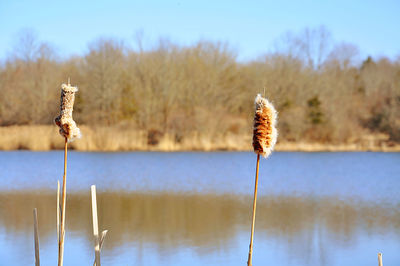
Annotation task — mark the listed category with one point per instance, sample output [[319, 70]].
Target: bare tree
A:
[[102, 88], [344, 55], [26, 46], [312, 46]]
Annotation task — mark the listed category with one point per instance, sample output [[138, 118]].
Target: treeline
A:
[[323, 91]]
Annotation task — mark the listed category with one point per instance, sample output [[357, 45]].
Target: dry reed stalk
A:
[[264, 140], [103, 236], [95, 226], [36, 237], [380, 259], [58, 212], [63, 207], [69, 131]]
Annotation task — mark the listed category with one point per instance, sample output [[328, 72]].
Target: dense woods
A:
[[323, 91]]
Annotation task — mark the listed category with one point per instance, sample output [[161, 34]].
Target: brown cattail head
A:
[[264, 132], [68, 128]]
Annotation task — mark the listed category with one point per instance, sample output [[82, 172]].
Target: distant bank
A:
[[46, 137]]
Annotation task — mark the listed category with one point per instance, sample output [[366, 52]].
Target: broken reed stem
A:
[[63, 202], [95, 226], [36, 237], [249, 261], [103, 236], [380, 259]]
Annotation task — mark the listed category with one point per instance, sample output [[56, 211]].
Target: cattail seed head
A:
[[68, 128], [265, 133]]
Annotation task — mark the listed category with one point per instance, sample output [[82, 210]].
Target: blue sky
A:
[[250, 27]]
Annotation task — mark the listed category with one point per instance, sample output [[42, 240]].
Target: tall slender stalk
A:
[[58, 212], [36, 237], [95, 226], [380, 259], [249, 261], [63, 203]]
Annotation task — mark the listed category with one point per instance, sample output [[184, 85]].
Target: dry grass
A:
[[127, 139]]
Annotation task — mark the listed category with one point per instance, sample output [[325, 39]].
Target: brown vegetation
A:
[[120, 138], [323, 94]]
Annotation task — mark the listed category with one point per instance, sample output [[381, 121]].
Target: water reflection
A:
[[307, 229]]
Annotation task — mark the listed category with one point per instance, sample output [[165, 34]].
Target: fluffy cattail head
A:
[[264, 132], [68, 128]]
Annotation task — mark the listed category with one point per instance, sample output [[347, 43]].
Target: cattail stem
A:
[[58, 212], [36, 237], [249, 261], [380, 259], [63, 202]]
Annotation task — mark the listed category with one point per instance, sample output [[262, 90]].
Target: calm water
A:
[[195, 208]]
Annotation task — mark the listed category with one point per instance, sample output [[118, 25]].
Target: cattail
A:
[[69, 131], [264, 139], [264, 132], [68, 128]]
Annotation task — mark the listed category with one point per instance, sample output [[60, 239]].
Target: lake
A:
[[194, 208]]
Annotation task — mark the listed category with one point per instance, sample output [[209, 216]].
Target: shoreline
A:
[[114, 139]]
